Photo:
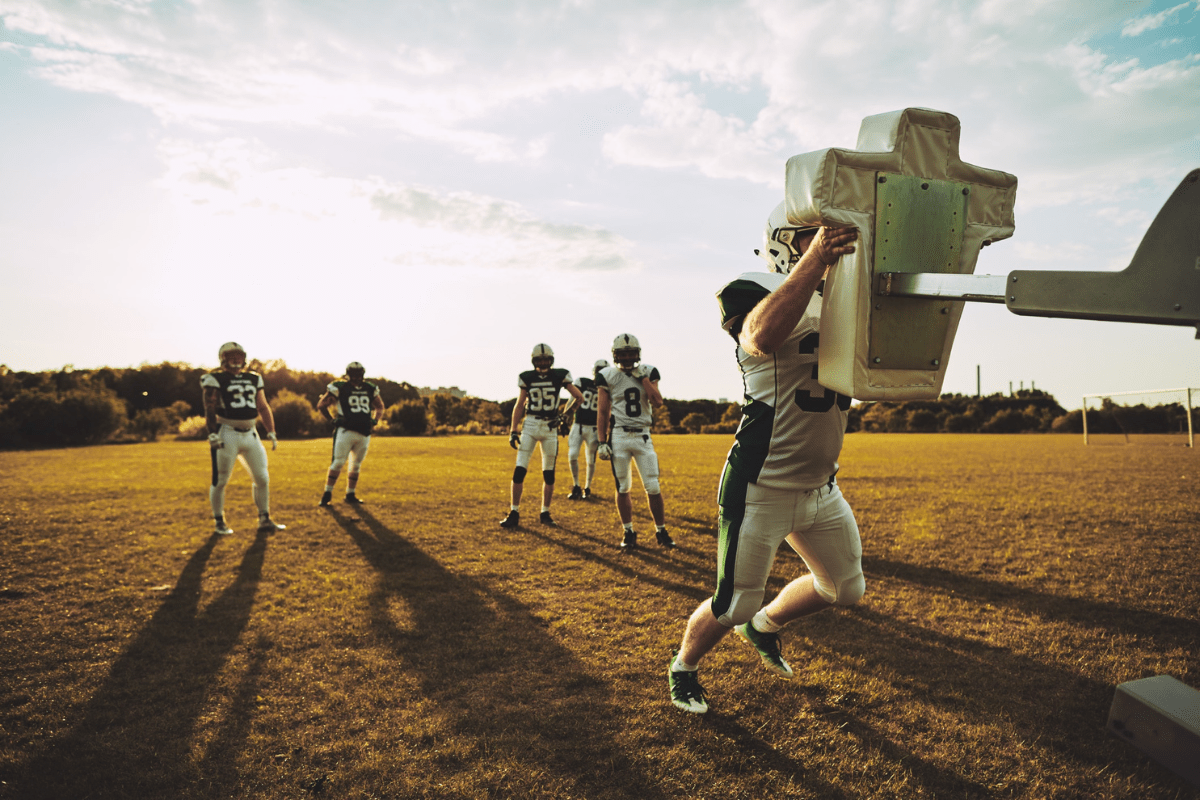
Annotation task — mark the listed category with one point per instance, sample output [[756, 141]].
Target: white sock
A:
[[545, 509], [660, 528], [678, 666], [628, 526], [763, 624], [516, 508]]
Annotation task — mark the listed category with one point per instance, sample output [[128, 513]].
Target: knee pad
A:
[[548, 476], [651, 486], [845, 593], [742, 607], [519, 475], [337, 464]]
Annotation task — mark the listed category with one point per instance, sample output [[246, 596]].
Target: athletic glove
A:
[[604, 452], [214, 441], [274, 440], [514, 440], [564, 427], [641, 371]]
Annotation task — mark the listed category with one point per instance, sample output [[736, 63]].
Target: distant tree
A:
[[295, 416], [694, 422], [921, 420], [406, 418], [86, 414]]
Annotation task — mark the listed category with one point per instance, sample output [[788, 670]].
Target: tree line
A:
[[71, 407]]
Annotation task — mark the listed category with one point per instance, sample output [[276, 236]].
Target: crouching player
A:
[[778, 484]]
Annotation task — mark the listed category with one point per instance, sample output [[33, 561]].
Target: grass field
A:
[[412, 649]]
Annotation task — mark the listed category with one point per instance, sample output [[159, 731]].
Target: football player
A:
[[359, 409], [234, 399], [583, 431], [778, 484], [628, 394], [537, 406]]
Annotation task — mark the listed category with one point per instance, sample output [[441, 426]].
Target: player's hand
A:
[[564, 427], [514, 440], [274, 440], [641, 371], [214, 441], [604, 452], [830, 244], [554, 422]]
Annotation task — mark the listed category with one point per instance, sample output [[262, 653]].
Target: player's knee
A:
[[337, 464], [548, 476], [519, 475], [842, 593], [742, 606], [652, 486]]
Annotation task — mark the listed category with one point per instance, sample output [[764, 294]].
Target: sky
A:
[[433, 188]]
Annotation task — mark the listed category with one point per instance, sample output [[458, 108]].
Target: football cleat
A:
[[221, 528], [546, 519], [664, 538], [353, 500], [326, 500], [576, 493], [629, 540], [686, 691], [587, 494], [265, 525], [513, 520], [767, 645]]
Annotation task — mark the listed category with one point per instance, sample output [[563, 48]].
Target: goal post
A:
[[1158, 408]]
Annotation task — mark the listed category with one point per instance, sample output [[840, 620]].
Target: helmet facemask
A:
[[233, 357], [356, 372], [543, 358]]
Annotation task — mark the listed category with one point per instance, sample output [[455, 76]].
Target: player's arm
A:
[[603, 412], [775, 317], [652, 393], [377, 408], [211, 397], [574, 402], [324, 403], [518, 414]]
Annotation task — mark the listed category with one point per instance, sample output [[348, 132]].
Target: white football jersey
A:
[[792, 427], [630, 406]]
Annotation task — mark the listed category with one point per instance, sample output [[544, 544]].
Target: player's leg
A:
[[549, 445], [254, 458], [647, 465], [341, 451], [622, 458], [592, 440], [358, 452], [826, 537], [223, 459], [524, 453], [574, 441], [751, 528], [832, 550]]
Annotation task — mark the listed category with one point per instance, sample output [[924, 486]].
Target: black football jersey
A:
[[237, 395], [543, 391]]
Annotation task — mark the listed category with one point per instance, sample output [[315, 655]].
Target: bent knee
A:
[[337, 464], [742, 607], [843, 593], [652, 486]]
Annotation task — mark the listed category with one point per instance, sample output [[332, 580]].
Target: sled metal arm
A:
[[1161, 285]]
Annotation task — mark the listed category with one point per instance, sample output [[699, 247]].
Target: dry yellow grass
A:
[[413, 649]]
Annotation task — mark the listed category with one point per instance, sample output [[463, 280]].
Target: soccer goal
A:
[[1161, 416]]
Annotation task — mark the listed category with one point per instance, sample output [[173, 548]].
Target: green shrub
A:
[[406, 418], [694, 422], [295, 418]]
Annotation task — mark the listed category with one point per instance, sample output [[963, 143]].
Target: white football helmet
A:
[[599, 365], [543, 357], [355, 371], [626, 351], [778, 249], [228, 351]]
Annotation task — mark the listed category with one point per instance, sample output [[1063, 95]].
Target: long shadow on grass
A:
[[1166, 632], [624, 563], [980, 685], [135, 735], [505, 685]]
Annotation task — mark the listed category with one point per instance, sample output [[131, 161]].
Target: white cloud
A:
[[1139, 25], [381, 222]]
